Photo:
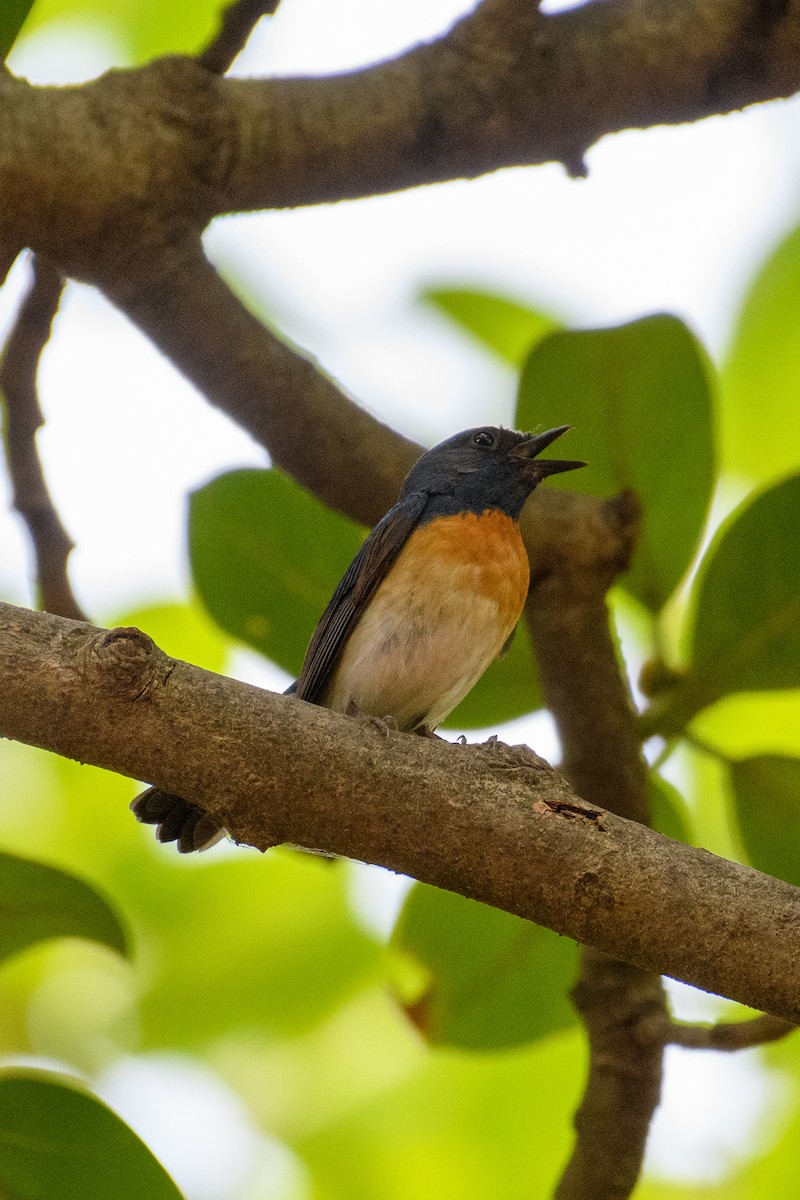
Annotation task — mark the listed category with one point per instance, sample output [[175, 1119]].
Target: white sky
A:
[[669, 219]]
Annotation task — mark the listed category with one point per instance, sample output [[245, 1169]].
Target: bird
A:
[[431, 598]]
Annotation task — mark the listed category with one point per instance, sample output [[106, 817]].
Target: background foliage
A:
[[443, 1059]]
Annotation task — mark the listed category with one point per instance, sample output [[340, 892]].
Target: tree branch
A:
[[728, 1035], [347, 458], [577, 545], [584, 688], [153, 152], [18, 369], [238, 22], [319, 435], [498, 825], [624, 1083]]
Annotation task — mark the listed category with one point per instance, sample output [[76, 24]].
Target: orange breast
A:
[[484, 552]]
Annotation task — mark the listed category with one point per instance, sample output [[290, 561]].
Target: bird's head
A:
[[491, 465]]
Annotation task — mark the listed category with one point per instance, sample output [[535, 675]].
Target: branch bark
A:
[[497, 825], [506, 86]]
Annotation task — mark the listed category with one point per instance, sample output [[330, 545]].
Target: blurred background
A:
[[253, 1041]]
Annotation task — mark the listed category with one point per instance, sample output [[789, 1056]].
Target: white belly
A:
[[415, 663]]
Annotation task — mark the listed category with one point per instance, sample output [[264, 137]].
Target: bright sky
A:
[[669, 219]]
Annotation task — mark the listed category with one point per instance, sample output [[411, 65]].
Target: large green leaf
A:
[[266, 558], [746, 631], [38, 902], [760, 379], [639, 398], [766, 795], [493, 980], [502, 325], [57, 1142], [12, 17]]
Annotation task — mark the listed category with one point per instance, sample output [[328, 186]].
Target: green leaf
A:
[[38, 902], [12, 17], [508, 689], [667, 809], [760, 379], [493, 980], [266, 558], [57, 1141], [746, 630], [145, 29], [639, 398], [766, 796], [501, 325]]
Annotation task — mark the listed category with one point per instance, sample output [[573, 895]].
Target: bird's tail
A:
[[177, 820]]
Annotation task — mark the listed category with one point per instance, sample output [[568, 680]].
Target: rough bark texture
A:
[[496, 824], [505, 86]]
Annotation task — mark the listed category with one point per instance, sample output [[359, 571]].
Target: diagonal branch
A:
[[318, 434], [23, 417], [498, 825], [311, 429]]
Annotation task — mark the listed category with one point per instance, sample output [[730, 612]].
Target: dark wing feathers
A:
[[369, 567]]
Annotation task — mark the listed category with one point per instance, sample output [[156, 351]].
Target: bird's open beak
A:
[[535, 443]]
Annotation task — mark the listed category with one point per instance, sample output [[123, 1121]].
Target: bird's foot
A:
[[176, 820], [386, 725]]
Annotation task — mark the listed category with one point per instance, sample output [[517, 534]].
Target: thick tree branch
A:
[[495, 824], [23, 417], [153, 152]]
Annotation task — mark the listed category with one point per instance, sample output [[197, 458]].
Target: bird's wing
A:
[[369, 567]]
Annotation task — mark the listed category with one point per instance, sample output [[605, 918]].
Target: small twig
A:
[[238, 22], [23, 416], [729, 1035]]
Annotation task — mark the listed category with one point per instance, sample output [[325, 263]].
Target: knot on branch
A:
[[134, 162], [127, 664]]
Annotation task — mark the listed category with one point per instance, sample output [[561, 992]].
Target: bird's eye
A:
[[482, 438]]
